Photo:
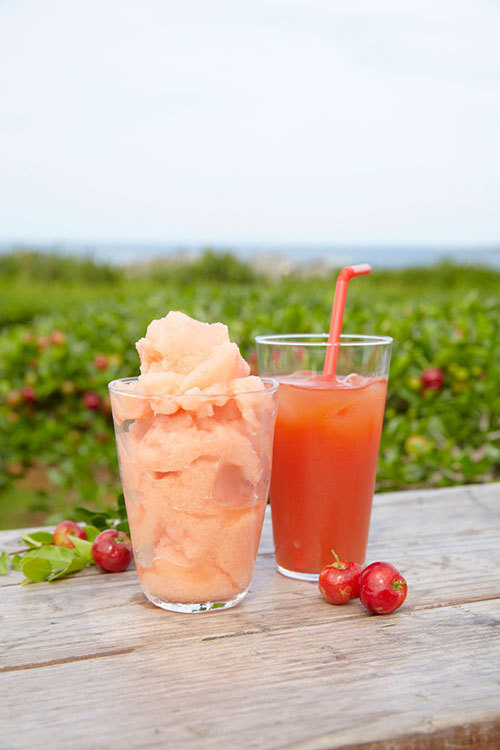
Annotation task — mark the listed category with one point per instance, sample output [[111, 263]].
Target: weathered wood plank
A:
[[436, 575], [397, 516], [315, 686], [437, 564], [283, 669]]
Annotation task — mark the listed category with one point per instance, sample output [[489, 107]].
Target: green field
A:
[[69, 326]]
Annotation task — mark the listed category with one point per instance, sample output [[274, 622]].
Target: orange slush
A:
[[324, 464]]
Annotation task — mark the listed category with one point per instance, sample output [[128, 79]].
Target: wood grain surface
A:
[[87, 662]]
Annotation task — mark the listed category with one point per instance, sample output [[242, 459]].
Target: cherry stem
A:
[[337, 564]]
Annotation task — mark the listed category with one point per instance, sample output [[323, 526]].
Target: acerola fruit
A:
[[13, 397], [68, 387], [101, 362], [382, 589], [91, 400], [60, 535], [414, 382], [28, 393], [58, 338], [15, 468], [339, 581], [44, 342], [112, 551], [115, 360], [417, 445], [432, 379]]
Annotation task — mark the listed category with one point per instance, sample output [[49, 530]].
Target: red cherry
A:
[[101, 362], [382, 589], [338, 582], [432, 379], [58, 338], [112, 551], [91, 400], [62, 530], [28, 394]]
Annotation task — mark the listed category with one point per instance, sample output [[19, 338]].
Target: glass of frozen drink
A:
[[194, 436]]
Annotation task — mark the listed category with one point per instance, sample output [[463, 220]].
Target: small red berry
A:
[[58, 338], [432, 379], [28, 394], [112, 551], [101, 362], [91, 400], [382, 589], [62, 530], [338, 582]]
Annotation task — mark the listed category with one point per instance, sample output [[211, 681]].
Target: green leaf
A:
[[4, 563], [82, 546], [59, 557], [123, 526], [82, 514], [36, 569], [91, 532], [100, 520], [120, 500], [121, 507], [37, 539], [16, 561], [76, 564]]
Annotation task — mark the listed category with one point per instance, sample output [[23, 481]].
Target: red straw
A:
[[343, 280]]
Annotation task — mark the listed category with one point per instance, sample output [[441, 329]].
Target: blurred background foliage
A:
[[68, 326]]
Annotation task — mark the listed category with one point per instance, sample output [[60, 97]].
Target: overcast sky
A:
[[247, 121]]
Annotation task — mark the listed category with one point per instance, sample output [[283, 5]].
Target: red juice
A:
[[326, 448]]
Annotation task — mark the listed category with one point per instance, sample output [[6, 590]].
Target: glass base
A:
[[298, 576], [192, 607]]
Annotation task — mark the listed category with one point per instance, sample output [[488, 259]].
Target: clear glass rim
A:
[[115, 386], [321, 339]]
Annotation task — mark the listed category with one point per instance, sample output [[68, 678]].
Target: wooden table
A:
[[87, 663]]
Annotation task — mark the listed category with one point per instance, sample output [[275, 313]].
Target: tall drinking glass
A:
[[195, 471], [326, 446]]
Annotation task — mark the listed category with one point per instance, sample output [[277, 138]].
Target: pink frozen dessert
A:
[[194, 437]]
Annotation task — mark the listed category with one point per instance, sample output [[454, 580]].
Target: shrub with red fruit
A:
[[454, 329]]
